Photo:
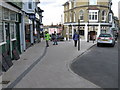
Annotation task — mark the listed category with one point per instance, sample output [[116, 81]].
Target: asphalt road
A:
[[99, 65]]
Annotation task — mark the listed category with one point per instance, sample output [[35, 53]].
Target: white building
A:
[[88, 17], [28, 23]]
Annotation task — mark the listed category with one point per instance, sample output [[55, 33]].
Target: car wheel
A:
[[98, 45], [112, 45]]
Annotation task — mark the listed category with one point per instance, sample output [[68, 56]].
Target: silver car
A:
[[106, 39]]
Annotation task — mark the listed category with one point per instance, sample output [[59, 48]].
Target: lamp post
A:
[[88, 23], [79, 35], [88, 32]]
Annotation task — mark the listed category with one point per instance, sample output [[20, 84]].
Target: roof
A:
[[66, 3]]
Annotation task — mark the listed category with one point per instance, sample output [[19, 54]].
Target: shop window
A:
[[103, 31], [6, 14], [2, 33], [81, 32], [13, 31]]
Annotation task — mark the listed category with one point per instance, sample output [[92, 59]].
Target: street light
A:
[[88, 23], [78, 33], [88, 32]]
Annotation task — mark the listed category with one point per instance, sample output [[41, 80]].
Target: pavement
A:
[[47, 67]]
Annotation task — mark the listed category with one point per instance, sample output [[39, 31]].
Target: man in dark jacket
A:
[[55, 38], [75, 38]]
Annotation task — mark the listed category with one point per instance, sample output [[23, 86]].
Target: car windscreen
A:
[[105, 35]]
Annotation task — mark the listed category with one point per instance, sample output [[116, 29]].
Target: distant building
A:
[[51, 28], [88, 17]]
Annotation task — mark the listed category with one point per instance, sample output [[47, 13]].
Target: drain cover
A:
[[4, 82]]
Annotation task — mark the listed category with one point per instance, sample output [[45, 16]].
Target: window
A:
[[103, 15], [6, 14], [81, 15], [110, 17], [93, 15], [70, 17], [70, 5], [0, 13], [12, 16], [81, 32], [13, 32], [66, 18], [17, 17], [2, 33], [29, 5], [92, 2], [74, 3], [74, 17]]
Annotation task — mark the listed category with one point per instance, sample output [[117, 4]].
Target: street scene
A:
[[59, 44]]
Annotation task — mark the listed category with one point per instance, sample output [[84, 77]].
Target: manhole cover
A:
[[4, 82]]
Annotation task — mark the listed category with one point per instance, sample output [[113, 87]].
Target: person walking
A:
[[47, 38], [75, 38], [55, 38]]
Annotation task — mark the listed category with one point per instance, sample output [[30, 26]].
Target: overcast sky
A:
[[53, 10]]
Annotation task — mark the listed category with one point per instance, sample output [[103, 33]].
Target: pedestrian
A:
[[47, 38], [75, 38], [94, 37], [55, 38]]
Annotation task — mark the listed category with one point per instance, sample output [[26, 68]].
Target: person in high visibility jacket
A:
[[47, 38]]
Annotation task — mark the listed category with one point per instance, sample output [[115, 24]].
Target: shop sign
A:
[[32, 16]]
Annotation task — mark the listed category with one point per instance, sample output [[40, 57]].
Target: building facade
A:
[[10, 26], [31, 21], [88, 17], [18, 22], [119, 12]]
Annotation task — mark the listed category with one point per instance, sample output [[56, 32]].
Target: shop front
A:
[[10, 32]]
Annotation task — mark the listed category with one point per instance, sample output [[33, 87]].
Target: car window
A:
[[105, 35]]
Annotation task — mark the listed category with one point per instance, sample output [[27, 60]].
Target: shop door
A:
[[8, 45], [92, 33]]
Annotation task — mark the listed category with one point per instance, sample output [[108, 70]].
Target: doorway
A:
[[8, 44], [92, 33]]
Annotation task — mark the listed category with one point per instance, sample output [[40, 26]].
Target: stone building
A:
[[88, 17]]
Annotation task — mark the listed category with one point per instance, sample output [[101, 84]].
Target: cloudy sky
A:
[[53, 10]]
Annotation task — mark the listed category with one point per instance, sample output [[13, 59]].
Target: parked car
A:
[[106, 39]]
